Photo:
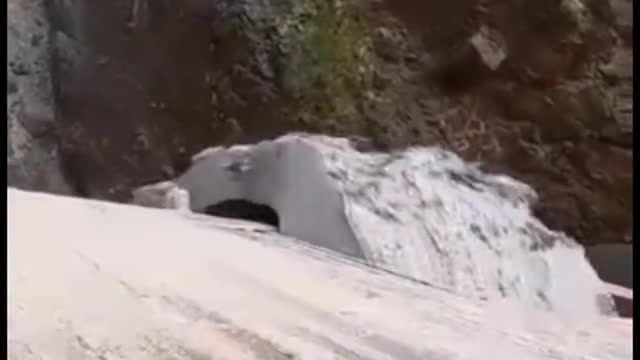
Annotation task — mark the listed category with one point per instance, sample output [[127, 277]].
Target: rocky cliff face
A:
[[33, 159], [537, 90]]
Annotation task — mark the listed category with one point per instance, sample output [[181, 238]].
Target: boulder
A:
[[422, 213], [97, 280]]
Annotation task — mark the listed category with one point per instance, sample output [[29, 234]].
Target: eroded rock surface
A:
[[545, 115], [423, 213], [33, 160]]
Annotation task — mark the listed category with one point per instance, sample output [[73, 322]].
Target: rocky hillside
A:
[[537, 90]]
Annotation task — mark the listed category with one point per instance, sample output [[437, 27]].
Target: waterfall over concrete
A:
[[423, 213]]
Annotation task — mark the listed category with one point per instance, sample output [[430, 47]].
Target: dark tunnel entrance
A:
[[244, 210]]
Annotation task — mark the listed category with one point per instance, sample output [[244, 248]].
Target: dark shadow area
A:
[[244, 210], [150, 83], [612, 262], [624, 306]]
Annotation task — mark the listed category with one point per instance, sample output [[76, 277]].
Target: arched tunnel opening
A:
[[244, 210]]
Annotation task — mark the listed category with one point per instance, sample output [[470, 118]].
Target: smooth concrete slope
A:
[[94, 280]]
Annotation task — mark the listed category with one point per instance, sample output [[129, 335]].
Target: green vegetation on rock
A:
[[327, 66]]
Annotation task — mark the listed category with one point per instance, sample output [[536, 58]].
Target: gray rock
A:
[[421, 213], [32, 154], [490, 47], [128, 74], [166, 195]]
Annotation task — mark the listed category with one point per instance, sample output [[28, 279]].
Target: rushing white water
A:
[[423, 213]]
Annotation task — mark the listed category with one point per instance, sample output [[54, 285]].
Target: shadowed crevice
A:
[[244, 210]]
